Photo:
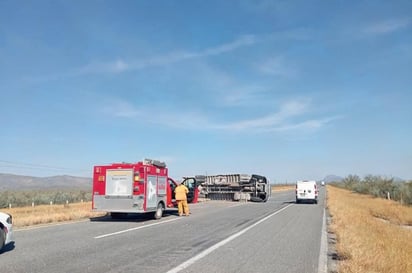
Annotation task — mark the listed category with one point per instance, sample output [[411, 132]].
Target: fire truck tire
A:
[[159, 211]]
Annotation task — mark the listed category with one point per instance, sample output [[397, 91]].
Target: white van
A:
[[306, 190]]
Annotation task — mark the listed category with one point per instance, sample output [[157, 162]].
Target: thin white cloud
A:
[[387, 26], [110, 67], [245, 40], [120, 109], [290, 116], [241, 95], [167, 59], [225, 90], [120, 65], [277, 66], [287, 110], [312, 124]]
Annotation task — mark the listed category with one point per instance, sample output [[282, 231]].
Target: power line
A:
[[14, 164]]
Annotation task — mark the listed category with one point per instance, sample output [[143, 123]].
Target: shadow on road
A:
[[9, 247], [132, 217], [289, 202]]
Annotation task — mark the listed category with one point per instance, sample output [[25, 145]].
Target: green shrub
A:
[[42, 197], [379, 186]]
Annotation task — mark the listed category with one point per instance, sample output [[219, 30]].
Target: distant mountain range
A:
[[21, 182], [332, 178]]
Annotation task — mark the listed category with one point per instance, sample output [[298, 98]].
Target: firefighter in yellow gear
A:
[[181, 192]]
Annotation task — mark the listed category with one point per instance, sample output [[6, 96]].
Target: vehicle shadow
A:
[[133, 217], [289, 202], [303, 202], [9, 247]]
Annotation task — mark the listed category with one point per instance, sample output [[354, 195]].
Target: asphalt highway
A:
[[218, 236]]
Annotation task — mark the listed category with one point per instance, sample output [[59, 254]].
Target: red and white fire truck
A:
[[142, 187]]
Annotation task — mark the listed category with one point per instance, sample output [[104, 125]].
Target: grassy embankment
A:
[[45, 214], [283, 187], [373, 235]]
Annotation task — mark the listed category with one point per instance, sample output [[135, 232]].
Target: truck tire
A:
[[159, 211], [264, 197], [256, 199]]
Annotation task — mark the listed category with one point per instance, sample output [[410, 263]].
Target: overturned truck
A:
[[236, 187]]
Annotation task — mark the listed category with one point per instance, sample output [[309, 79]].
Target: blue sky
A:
[[287, 89]]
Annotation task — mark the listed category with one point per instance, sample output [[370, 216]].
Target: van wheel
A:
[[159, 211], [2, 238]]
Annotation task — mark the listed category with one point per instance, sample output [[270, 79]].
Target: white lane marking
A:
[[237, 205], [323, 253], [323, 262], [209, 250], [136, 228]]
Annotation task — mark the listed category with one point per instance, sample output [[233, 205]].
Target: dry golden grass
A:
[[372, 234], [44, 214], [276, 188]]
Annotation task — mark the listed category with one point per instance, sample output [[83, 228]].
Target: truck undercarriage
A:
[[236, 187]]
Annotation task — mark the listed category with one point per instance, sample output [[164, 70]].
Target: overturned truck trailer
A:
[[235, 187]]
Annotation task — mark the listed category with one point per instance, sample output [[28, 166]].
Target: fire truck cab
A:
[[142, 187]]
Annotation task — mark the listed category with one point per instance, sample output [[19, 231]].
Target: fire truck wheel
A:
[[159, 211]]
